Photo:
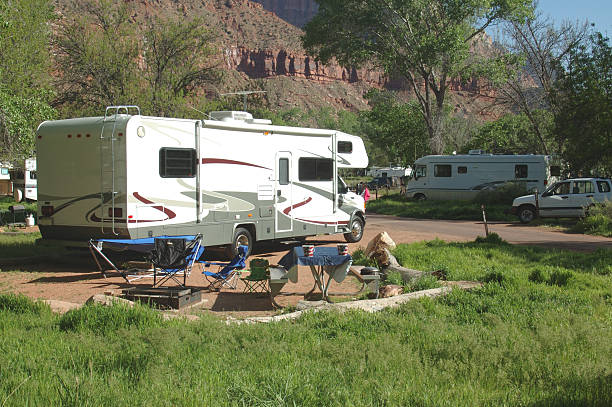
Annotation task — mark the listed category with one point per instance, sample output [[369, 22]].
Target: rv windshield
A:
[[420, 171]]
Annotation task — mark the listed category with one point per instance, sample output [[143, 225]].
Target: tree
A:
[[425, 41], [545, 48], [584, 119], [395, 129], [514, 134], [107, 58], [176, 56], [24, 75]]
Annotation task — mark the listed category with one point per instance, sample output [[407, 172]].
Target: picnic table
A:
[[325, 260]]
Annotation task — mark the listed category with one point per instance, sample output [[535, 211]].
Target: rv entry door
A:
[[283, 200]]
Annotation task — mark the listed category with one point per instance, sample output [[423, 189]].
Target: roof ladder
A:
[[107, 164]]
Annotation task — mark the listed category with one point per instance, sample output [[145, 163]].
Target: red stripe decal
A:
[[297, 205], [342, 222], [223, 161], [168, 212]]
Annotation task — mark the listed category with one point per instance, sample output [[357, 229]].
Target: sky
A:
[[596, 11]]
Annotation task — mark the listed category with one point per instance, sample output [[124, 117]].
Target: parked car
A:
[[570, 198], [379, 182]]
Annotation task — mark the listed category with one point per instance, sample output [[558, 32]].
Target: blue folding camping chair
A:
[[171, 256], [174, 256], [227, 272]]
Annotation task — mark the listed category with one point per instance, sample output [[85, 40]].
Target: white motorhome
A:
[[462, 176], [234, 179], [25, 183], [387, 172]]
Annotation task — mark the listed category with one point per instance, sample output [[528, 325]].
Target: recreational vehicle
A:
[[6, 185], [389, 172], [24, 180], [234, 179], [463, 176]]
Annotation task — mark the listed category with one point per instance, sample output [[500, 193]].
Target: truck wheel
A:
[[420, 197], [526, 213], [242, 237], [356, 232]]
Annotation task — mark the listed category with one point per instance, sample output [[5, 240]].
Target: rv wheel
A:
[[242, 237], [420, 197], [356, 232], [526, 213]]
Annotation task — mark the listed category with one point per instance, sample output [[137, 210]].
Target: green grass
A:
[[20, 245], [398, 205], [538, 333]]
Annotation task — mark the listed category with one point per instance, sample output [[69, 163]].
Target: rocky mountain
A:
[[260, 50]]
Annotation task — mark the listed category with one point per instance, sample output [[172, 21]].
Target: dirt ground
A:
[[76, 283]]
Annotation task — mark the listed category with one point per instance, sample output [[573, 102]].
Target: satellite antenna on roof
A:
[[244, 93]]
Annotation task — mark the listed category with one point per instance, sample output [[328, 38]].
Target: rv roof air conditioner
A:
[[231, 116]]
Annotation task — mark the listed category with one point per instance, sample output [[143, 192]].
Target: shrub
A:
[[102, 319], [493, 238], [493, 276], [560, 278], [505, 194], [21, 304], [538, 276], [598, 220]]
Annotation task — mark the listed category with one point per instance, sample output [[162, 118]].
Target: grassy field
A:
[[398, 205], [538, 333]]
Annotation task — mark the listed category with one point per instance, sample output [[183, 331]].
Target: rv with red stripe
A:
[[234, 179]]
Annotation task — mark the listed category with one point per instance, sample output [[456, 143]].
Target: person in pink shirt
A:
[[365, 193]]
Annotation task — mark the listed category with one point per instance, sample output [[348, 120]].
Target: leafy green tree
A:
[[395, 130], [176, 56], [105, 58], [24, 74], [514, 134], [425, 41], [584, 121]]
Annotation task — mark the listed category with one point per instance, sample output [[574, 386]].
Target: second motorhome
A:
[[234, 179], [462, 176]]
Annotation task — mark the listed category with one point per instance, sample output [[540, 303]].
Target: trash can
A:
[[18, 212]]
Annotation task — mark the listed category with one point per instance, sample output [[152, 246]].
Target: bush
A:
[[598, 220], [560, 278], [21, 304], [102, 320], [505, 194], [493, 238]]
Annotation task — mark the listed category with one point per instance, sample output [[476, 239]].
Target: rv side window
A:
[[461, 170], [442, 170], [177, 162], [32, 174], [520, 171], [345, 147], [555, 170], [283, 171], [315, 169]]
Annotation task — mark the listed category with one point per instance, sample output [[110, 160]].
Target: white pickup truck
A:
[[564, 199]]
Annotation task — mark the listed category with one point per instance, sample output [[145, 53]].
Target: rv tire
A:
[[241, 237], [356, 232], [526, 213], [420, 197]]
